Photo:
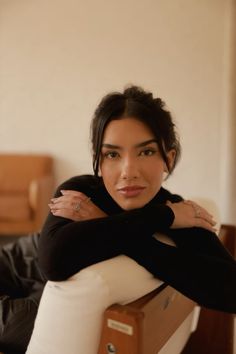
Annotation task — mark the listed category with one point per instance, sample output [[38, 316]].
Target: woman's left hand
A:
[[75, 206], [190, 214]]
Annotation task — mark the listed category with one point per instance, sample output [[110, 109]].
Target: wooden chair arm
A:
[[145, 325], [40, 192]]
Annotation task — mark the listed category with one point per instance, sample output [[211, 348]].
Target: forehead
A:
[[128, 128]]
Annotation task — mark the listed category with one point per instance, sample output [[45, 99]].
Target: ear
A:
[[171, 159]]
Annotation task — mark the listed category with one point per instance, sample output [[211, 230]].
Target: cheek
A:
[[107, 173], [154, 170]]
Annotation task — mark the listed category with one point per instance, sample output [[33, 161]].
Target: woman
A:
[[120, 208]]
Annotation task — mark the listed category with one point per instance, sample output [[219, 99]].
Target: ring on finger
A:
[[77, 206], [197, 210]]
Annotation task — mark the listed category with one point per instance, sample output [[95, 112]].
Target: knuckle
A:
[[78, 194]]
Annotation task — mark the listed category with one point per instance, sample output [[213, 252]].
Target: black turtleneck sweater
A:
[[199, 266]]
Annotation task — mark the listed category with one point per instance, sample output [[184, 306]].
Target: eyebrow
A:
[[144, 143]]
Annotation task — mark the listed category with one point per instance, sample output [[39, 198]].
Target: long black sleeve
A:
[[202, 270], [65, 247], [199, 267]]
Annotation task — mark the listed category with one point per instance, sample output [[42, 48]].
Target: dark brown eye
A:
[[147, 152], [110, 155]]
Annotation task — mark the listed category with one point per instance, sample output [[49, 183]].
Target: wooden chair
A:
[[26, 185]]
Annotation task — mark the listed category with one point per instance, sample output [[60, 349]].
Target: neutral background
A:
[[59, 57]]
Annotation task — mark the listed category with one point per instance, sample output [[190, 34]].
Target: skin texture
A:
[[128, 161], [131, 166]]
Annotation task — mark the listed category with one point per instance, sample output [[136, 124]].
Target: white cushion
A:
[[70, 313]]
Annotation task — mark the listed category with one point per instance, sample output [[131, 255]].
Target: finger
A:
[[72, 193], [68, 197], [65, 213], [203, 214], [210, 220], [201, 209], [60, 199], [73, 202], [206, 225], [61, 205]]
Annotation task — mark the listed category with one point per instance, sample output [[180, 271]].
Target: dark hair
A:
[[137, 103]]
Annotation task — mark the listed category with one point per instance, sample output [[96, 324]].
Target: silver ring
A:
[[77, 206], [197, 210]]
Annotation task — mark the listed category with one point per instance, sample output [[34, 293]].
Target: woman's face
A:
[[131, 165]]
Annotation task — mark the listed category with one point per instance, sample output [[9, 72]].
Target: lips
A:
[[131, 191]]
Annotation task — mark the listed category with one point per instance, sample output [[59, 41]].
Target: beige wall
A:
[[58, 58], [228, 121]]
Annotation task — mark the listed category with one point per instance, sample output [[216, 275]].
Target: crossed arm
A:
[[74, 238], [77, 206], [199, 267]]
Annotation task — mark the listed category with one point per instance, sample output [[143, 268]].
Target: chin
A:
[[132, 204]]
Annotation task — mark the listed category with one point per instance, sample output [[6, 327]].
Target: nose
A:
[[129, 168]]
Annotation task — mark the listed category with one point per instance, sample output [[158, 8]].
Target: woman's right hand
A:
[[75, 206], [190, 214]]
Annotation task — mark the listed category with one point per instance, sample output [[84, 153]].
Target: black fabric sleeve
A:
[[201, 241], [199, 267], [202, 270], [65, 247]]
